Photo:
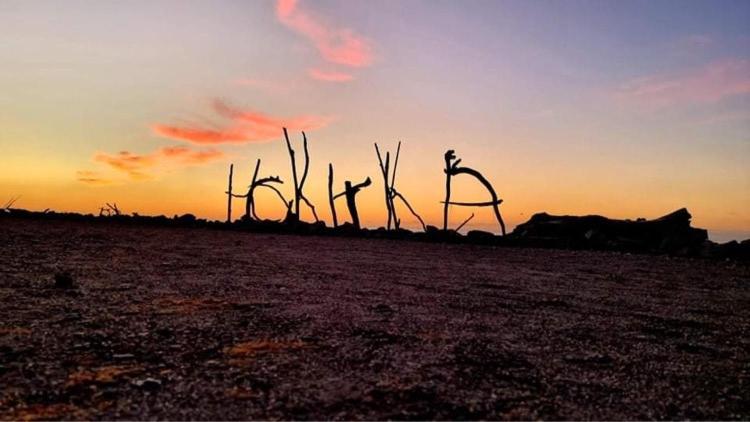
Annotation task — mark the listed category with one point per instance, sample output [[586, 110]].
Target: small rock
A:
[[64, 280], [382, 308], [148, 384]]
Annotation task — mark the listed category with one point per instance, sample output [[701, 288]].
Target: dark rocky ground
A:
[[207, 324]]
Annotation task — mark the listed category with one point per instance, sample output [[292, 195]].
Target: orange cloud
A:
[[336, 45], [246, 126], [137, 166], [708, 84], [185, 155], [322, 75]]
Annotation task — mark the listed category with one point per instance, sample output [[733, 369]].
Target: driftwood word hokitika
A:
[[452, 169], [299, 183], [350, 192], [388, 173], [389, 184], [265, 182]]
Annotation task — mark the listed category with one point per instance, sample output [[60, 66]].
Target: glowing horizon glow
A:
[[568, 108]]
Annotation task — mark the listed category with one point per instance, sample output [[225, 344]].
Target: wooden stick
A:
[[384, 172], [396, 220], [476, 204], [312, 207], [229, 194], [330, 196], [278, 192], [464, 223], [395, 163], [414, 213], [294, 174], [449, 156], [307, 162], [250, 201]]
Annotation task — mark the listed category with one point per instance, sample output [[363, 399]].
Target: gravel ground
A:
[[206, 324]]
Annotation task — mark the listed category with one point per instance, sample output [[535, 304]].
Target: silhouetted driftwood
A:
[[10, 202], [330, 196], [670, 233], [109, 210], [266, 182], [460, 226], [299, 184], [351, 191], [229, 194], [396, 194], [384, 171], [389, 184], [452, 169]]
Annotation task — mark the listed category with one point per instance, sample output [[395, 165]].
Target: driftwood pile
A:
[[670, 234]]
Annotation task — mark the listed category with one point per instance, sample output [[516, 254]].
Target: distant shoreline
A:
[[520, 237]]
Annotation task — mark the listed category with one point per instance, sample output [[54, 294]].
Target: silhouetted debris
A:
[[346, 229], [480, 236], [187, 219], [109, 210], [668, 234], [64, 280], [732, 249], [10, 203]]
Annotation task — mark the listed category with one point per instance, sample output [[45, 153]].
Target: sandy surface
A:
[[204, 324]]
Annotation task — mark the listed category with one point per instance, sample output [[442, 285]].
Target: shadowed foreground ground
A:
[[201, 324]]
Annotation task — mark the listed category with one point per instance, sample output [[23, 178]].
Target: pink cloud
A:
[[245, 126], [199, 135], [137, 165], [708, 84], [341, 46], [322, 75]]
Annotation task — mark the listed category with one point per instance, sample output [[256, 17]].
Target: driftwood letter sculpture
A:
[[452, 169], [266, 182], [350, 192], [390, 189], [299, 183]]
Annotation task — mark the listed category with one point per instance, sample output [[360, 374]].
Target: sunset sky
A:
[[622, 108]]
